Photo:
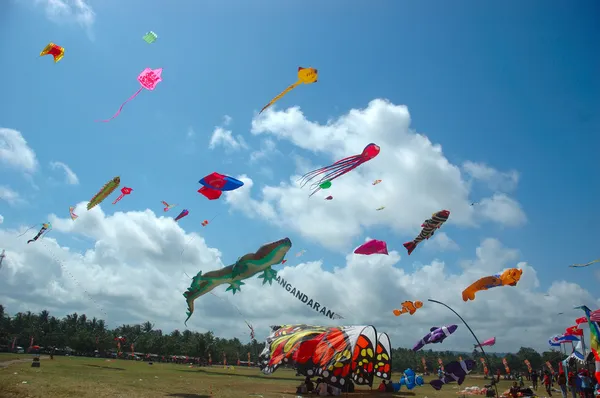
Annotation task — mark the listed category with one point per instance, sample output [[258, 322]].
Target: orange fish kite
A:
[[409, 306], [55, 50]]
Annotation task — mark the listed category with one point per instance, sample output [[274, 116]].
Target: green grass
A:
[[79, 377]]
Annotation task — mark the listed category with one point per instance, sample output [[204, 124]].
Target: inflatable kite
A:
[[510, 277], [383, 358], [339, 168], [372, 247], [167, 206], [106, 190], [409, 379], [244, 268], [183, 213], [435, 335], [409, 307], [46, 227], [55, 50], [124, 191], [72, 213], [215, 184], [584, 265], [150, 37], [429, 228], [334, 354], [149, 78], [455, 371], [305, 76], [329, 197], [488, 342]]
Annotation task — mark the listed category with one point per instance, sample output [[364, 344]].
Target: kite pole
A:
[[475, 337]]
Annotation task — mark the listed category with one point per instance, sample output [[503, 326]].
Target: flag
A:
[[595, 316], [573, 331]]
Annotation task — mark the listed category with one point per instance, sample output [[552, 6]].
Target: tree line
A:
[[84, 336]]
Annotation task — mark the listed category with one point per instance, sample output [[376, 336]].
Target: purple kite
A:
[[373, 246], [183, 213], [435, 335]]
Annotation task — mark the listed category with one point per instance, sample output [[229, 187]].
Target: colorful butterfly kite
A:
[[215, 184], [148, 79], [72, 214], [55, 50], [305, 75], [124, 191], [106, 190]]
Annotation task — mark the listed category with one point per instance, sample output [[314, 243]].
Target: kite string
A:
[[121, 108]]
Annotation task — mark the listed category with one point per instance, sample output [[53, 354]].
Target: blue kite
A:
[[215, 184]]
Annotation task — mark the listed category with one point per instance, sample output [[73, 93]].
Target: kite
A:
[[329, 197], [436, 335], [204, 223], [305, 75], [383, 359], [455, 371], [325, 185], [409, 379], [488, 342], [334, 354], [593, 318], [339, 168], [474, 203], [149, 78], [167, 206], [183, 213], [372, 247], [380, 208], [301, 252], [429, 228], [46, 227], [124, 191], [2, 255], [376, 182], [510, 277], [586, 264], [245, 267], [215, 184], [106, 190], [597, 360], [150, 37], [72, 214], [409, 306], [55, 50]]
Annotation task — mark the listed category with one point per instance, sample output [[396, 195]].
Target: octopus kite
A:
[[72, 213], [124, 191], [46, 227], [55, 50], [106, 190], [339, 168], [244, 268], [305, 76], [215, 184], [429, 228], [510, 277], [408, 307]]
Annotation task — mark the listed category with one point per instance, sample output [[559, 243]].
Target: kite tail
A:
[[410, 246], [122, 105], [27, 230], [117, 199], [284, 92]]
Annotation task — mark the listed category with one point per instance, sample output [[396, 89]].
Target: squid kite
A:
[[124, 191], [586, 264], [305, 76], [429, 228], [150, 37], [510, 277], [409, 307], [72, 214], [149, 78], [46, 227], [106, 190], [215, 184], [167, 206], [244, 268], [488, 342], [55, 50], [373, 246], [339, 168], [183, 213]]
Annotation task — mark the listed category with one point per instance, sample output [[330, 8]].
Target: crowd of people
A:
[[321, 388]]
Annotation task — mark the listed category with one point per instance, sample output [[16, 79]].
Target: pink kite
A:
[[329, 197], [489, 342], [372, 247], [124, 191], [148, 79]]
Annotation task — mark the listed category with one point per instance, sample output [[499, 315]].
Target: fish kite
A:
[[215, 184], [305, 75], [488, 342], [429, 228], [409, 306], [510, 277], [339, 168], [183, 213], [72, 214], [372, 247], [55, 50], [2, 255], [376, 182], [167, 206], [106, 190], [380, 208], [586, 264], [244, 268], [150, 37], [124, 191], [149, 78], [435, 335], [46, 227], [455, 371], [329, 197]]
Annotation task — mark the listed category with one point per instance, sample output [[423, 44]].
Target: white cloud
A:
[[70, 176], [227, 120], [496, 180], [267, 148], [135, 272], [1, 219], [417, 179], [15, 152], [10, 196], [77, 11], [225, 138], [441, 242]]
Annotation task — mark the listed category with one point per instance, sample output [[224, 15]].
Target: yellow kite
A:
[[55, 50], [305, 75]]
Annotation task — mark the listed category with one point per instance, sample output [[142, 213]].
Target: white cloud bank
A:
[[70, 176], [9, 196], [72, 11], [15, 152], [135, 272]]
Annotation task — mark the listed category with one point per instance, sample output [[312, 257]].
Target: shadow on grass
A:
[[184, 395], [239, 375], [102, 367]]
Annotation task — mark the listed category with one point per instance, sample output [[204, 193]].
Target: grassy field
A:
[[101, 378]]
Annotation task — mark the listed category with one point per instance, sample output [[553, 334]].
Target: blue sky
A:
[[511, 84]]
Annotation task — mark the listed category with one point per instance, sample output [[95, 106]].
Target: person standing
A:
[[534, 380], [561, 380]]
